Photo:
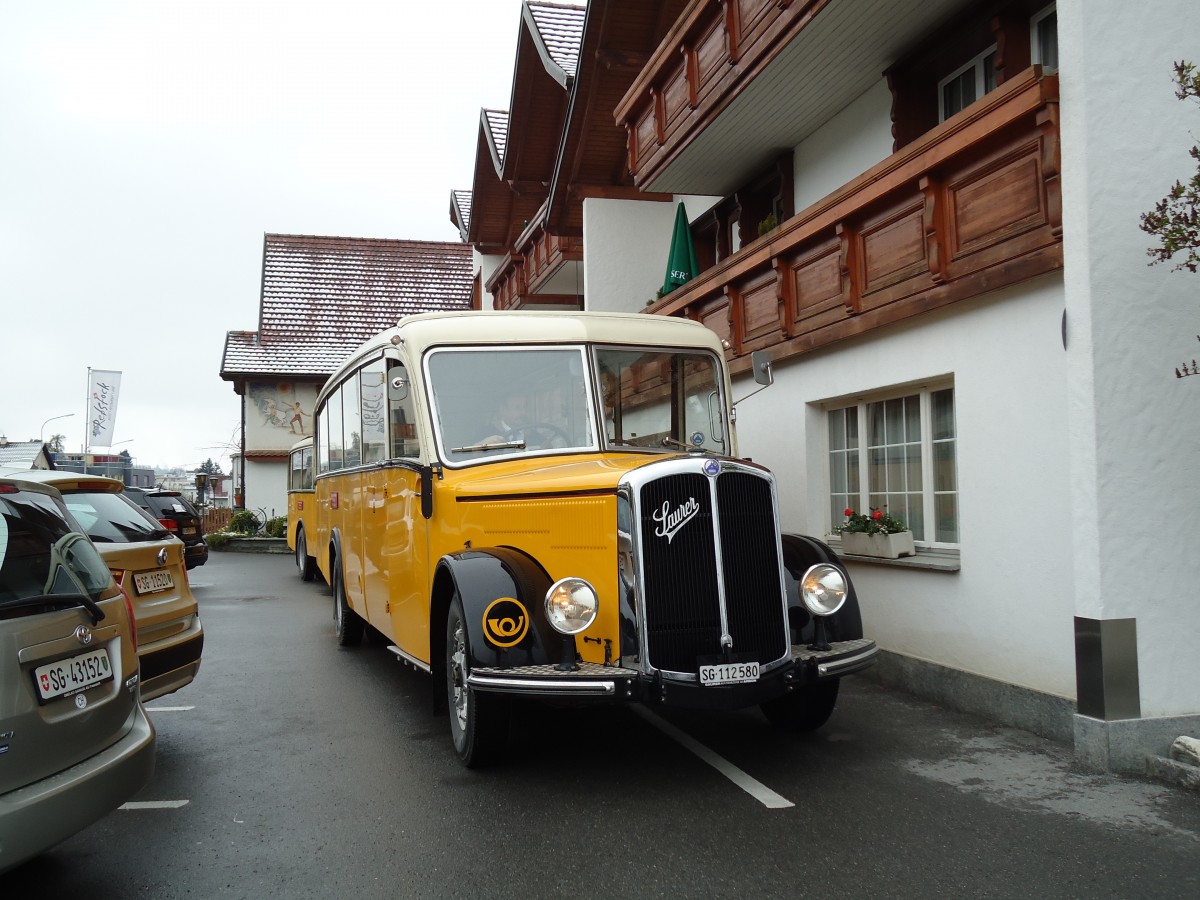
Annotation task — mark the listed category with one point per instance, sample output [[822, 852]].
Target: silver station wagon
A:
[[75, 742]]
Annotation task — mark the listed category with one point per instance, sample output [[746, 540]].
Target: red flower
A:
[[877, 514], [847, 512]]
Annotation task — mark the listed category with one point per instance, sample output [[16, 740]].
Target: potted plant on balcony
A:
[[875, 533]]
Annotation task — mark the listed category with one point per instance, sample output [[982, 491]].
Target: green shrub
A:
[[276, 527], [244, 522], [217, 539]]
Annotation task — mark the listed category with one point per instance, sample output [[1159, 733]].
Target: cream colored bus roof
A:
[[424, 330]]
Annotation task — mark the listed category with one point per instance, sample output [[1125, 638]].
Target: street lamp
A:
[[42, 433], [201, 484]]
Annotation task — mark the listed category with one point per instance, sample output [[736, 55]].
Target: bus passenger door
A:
[[396, 563]]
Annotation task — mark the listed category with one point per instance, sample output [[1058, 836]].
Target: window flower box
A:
[[884, 546]]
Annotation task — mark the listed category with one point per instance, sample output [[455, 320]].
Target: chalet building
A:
[[927, 213], [322, 297]]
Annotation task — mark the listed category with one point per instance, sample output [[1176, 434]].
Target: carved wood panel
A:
[[676, 96], [710, 53], [893, 247], [996, 200], [715, 316], [646, 132], [817, 287], [759, 308]]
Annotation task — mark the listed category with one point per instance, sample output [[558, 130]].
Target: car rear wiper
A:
[[57, 600]]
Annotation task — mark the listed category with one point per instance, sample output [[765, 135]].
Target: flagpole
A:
[[87, 414]]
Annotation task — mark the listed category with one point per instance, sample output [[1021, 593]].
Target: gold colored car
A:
[[149, 564], [74, 740]]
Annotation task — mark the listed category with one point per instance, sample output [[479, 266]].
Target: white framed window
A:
[[965, 85], [1043, 38], [898, 452]]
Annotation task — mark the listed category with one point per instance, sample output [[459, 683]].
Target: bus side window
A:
[[403, 418]]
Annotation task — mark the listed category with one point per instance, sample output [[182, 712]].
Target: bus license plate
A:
[[729, 673], [69, 676], [149, 582]]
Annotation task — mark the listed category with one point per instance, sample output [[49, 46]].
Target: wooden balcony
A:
[[971, 206], [714, 49], [527, 275]]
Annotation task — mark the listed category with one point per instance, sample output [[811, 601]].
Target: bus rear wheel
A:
[[305, 563], [478, 720], [347, 626]]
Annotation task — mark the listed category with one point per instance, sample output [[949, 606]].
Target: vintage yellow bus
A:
[[552, 505], [301, 506]]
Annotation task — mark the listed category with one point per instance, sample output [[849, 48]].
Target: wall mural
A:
[[278, 414]]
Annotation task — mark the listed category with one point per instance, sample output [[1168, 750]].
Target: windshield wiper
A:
[[57, 600], [501, 445]]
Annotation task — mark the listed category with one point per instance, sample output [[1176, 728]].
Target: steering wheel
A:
[[544, 434]]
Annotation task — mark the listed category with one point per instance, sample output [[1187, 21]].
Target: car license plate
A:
[[189, 531], [69, 676], [149, 582], [729, 673]]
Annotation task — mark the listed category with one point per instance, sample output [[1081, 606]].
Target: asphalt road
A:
[[292, 768]]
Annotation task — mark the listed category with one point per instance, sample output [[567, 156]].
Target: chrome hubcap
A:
[[458, 677]]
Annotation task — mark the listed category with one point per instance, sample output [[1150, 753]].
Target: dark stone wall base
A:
[[1043, 714]]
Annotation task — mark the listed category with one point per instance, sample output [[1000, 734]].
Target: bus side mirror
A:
[[760, 363]]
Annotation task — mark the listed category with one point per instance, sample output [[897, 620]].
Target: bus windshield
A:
[[494, 403]]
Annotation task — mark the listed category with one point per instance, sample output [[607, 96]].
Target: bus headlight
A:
[[571, 605], [823, 589]]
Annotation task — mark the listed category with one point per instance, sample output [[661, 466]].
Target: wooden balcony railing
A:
[[971, 206], [519, 280], [711, 52]]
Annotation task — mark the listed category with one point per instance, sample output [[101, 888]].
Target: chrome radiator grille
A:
[[683, 524]]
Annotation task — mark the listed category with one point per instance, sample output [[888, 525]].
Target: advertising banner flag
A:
[[103, 388]]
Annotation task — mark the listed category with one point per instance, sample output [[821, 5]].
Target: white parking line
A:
[[755, 789], [154, 804], [168, 708]]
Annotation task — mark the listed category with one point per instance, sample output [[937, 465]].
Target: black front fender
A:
[[799, 553], [503, 594]]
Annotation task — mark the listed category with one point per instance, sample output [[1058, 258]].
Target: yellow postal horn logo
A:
[[505, 622]]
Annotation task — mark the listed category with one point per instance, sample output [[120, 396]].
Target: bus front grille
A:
[[683, 522]]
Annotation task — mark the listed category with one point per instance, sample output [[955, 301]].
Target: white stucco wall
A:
[[846, 146], [1008, 613], [625, 247], [485, 266], [1134, 427], [266, 486]]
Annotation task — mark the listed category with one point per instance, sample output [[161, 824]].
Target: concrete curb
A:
[[253, 545]]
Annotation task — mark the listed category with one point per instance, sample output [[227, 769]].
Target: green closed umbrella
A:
[[681, 263]]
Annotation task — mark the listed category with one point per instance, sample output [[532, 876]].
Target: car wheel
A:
[[478, 720], [804, 709], [347, 626], [305, 563]]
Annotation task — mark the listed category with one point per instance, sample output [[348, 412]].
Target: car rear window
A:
[[42, 553], [166, 505], [111, 519]]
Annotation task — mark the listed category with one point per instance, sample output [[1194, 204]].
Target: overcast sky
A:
[[146, 147]]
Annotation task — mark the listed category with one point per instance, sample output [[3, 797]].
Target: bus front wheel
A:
[[478, 720], [805, 709]]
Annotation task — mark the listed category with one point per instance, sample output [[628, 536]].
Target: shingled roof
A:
[[559, 29], [324, 296]]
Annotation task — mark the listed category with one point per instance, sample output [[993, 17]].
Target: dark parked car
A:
[[178, 516], [74, 741]]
